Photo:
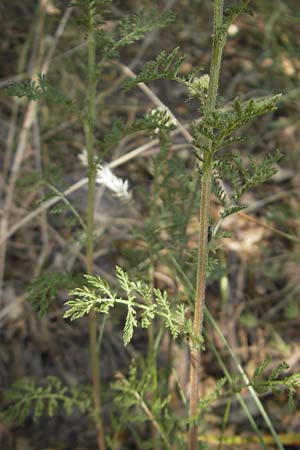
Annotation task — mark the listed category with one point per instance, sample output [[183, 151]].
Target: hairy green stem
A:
[[90, 138], [151, 328], [217, 50], [253, 394]]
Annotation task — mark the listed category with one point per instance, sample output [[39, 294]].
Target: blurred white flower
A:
[[233, 29], [118, 186], [83, 157], [105, 177]]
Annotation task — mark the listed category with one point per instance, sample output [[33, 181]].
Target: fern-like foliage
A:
[[242, 175], [142, 304], [257, 173], [26, 398], [139, 399], [152, 123], [133, 28], [220, 124], [175, 194], [277, 381], [44, 289], [41, 89], [49, 183], [90, 12], [165, 66], [171, 203], [129, 29], [214, 132]]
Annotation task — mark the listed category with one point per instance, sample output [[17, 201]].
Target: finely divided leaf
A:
[[165, 66]]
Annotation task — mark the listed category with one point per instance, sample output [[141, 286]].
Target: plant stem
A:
[[253, 394], [199, 305], [217, 49], [89, 135]]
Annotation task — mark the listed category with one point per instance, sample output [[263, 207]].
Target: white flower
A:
[[83, 157], [199, 85], [203, 81], [118, 186], [233, 30], [105, 176], [163, 118]]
